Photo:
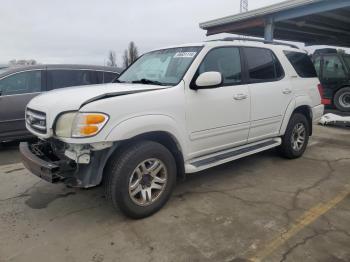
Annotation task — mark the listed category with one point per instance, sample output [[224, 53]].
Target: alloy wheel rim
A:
[[344, 99], [148, 182], [298, 137]]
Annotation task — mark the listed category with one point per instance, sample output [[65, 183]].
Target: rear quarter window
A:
[[302, 64]]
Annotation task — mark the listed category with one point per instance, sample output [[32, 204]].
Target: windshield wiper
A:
[[147, 82]]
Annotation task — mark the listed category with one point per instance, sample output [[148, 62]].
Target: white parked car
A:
[[175, 111]]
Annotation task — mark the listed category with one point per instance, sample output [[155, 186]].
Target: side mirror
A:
[[209, 80]]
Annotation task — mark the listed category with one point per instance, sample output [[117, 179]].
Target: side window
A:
[[225, 60], [65, 78], [99, 75], [333, 67], [317, 64], [109, 77], [262, 65], [22, 83]]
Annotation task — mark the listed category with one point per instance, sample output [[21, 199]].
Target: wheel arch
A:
[[299, 105], [158, 128], [170, 142], [306, 111], [162, 137]]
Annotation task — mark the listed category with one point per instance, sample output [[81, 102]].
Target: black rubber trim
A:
[[217, 158], [37, 166], [114, 94]]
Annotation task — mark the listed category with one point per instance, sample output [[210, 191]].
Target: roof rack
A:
[[254, 40]]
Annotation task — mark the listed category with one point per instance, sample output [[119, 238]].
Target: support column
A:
[[269, 29]]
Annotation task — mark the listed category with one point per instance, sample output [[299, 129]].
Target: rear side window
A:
[[225, 60], [262, 65], [65, 78], [333, 67], [302, 64]]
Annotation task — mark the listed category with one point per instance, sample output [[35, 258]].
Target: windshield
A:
[[162, 67]]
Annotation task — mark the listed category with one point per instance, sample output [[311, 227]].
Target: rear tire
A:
[[296, 137], [342, 99], [141, 178]]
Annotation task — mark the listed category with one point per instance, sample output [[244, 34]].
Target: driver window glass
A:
[[21, 83], [333, 67], [225, 60]]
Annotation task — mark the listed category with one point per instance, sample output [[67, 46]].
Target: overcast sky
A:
[[83, 31]]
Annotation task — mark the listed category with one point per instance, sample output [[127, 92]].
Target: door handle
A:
[[240, 97], [287, 91]]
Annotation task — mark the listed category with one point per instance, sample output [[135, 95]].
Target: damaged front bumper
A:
[[41, 160]]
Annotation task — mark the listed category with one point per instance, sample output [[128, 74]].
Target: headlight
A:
[[80, 124]]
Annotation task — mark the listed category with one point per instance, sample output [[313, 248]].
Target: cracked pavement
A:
[[228, 213]]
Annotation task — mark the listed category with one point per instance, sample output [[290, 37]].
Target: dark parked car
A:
[[333, 69], [19, 85]]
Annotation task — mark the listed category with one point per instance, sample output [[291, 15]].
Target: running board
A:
[[208, 161]]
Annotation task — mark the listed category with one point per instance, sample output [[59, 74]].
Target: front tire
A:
[[141, 178], [296, 137], [342, 99]]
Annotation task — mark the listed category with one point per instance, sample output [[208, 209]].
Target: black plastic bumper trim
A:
[[37, 166]]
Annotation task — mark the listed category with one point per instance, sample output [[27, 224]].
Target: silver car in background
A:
[[20, 84]]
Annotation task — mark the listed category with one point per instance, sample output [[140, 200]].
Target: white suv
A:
[[175, 111]]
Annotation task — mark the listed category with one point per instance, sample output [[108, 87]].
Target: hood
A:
[[73, 98]]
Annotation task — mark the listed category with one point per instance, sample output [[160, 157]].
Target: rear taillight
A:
[[324, 101]]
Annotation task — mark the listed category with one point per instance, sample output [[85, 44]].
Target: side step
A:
[[208, 161]]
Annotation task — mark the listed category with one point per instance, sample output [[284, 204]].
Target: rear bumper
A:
[[49, 171], [317, 113]]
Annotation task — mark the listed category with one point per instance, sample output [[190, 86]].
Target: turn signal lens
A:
[[94, 119], [88, 130], [88, 124]]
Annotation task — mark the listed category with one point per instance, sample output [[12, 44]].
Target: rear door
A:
[[16, 91], [270, 92]]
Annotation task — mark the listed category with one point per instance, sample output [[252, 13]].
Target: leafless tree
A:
[[125, 59], [112, 59], [130, 54], [133, 52]]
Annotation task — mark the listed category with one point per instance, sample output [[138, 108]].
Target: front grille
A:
[[36, 120]]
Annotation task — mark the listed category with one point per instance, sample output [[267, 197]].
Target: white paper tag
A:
[[185, 54]]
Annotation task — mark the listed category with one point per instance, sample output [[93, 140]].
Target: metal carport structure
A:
[[313, 22]]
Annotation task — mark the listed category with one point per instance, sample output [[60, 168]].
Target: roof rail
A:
[[254, 40]]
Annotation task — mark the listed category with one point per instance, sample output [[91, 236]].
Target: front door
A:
[[16, 91], [218, 118]]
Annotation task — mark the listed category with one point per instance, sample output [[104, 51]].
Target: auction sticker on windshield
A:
[[185, 54]]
